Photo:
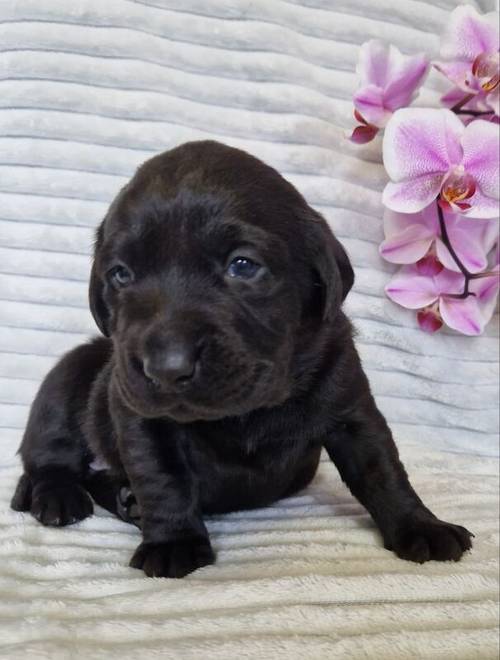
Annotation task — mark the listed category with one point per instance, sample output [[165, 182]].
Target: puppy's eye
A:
[[119, 276], [243, 268]]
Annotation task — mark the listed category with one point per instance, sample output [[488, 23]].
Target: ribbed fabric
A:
[[89, 90], [306, 578]]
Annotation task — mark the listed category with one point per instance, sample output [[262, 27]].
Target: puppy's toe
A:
[[21, 500], [422, 540], [173, 559], [58, 505]]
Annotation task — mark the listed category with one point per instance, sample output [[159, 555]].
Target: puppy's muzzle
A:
[[169, 356], [172, 364]]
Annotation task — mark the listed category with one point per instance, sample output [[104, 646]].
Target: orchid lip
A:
[[457, 187], [365, 132], [429, 319], [486, 69], [491, 84]]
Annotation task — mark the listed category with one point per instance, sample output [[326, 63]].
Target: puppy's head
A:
[[211, 273]]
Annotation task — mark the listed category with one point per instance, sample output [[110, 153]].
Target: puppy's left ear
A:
[[330, 263], [98, 307]]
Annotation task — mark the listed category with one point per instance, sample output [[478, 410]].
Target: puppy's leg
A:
[[364, 452], [53, 450], [175, 539], [113, 493]]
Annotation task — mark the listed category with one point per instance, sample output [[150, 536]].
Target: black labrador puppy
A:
[[227, 365]]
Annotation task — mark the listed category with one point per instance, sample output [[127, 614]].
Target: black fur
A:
[[211, 393]]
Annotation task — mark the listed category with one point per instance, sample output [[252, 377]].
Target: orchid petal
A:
[[458, 72], [452, 97], [411, 290], [408, 246], [419, 142], [486, 231], [413, 195], [469, 33], [430, 218], [469, 315], [369, 102], [401, 89], [471, 240], [486, 290], [493, 100], [481, 145], [467, 250], [448, 281], [373, 63], [487, 287], [395, 223], [483, 206], [488, 308], [478, 103], [462, 315]]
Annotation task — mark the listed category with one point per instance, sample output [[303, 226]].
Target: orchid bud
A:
[[429, 319]]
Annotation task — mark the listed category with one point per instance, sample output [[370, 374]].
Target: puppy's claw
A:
[[422, 540], [174, 559]]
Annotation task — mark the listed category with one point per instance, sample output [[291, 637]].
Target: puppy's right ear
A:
[[330, 263], [98, 307]]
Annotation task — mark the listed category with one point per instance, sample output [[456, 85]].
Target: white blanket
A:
[[90, 89]]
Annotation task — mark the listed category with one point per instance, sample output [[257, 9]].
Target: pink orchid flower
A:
[[413, 289], [430, 152], [470, 57], [389, 80], [410, 236]]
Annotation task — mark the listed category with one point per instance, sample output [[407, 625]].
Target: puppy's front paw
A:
[[56, 505], [173, 559], [420, 540]]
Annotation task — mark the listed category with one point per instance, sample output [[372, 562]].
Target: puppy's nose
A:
[[173, 366]]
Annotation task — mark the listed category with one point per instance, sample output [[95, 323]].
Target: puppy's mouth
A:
[[179, 411], [207, 400]]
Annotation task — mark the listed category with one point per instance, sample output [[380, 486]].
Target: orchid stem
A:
[[446, 240], [461, 103], [474, 113], [487, 273], [468, 276], [457, 108]]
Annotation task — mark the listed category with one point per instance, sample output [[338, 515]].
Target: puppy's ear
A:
[[98, 307], [330, 263]]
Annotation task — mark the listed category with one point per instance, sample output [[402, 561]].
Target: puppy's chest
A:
[[244, 471], [241, 453]]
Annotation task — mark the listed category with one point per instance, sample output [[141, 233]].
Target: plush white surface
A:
[[306, 578], [90, 89]]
